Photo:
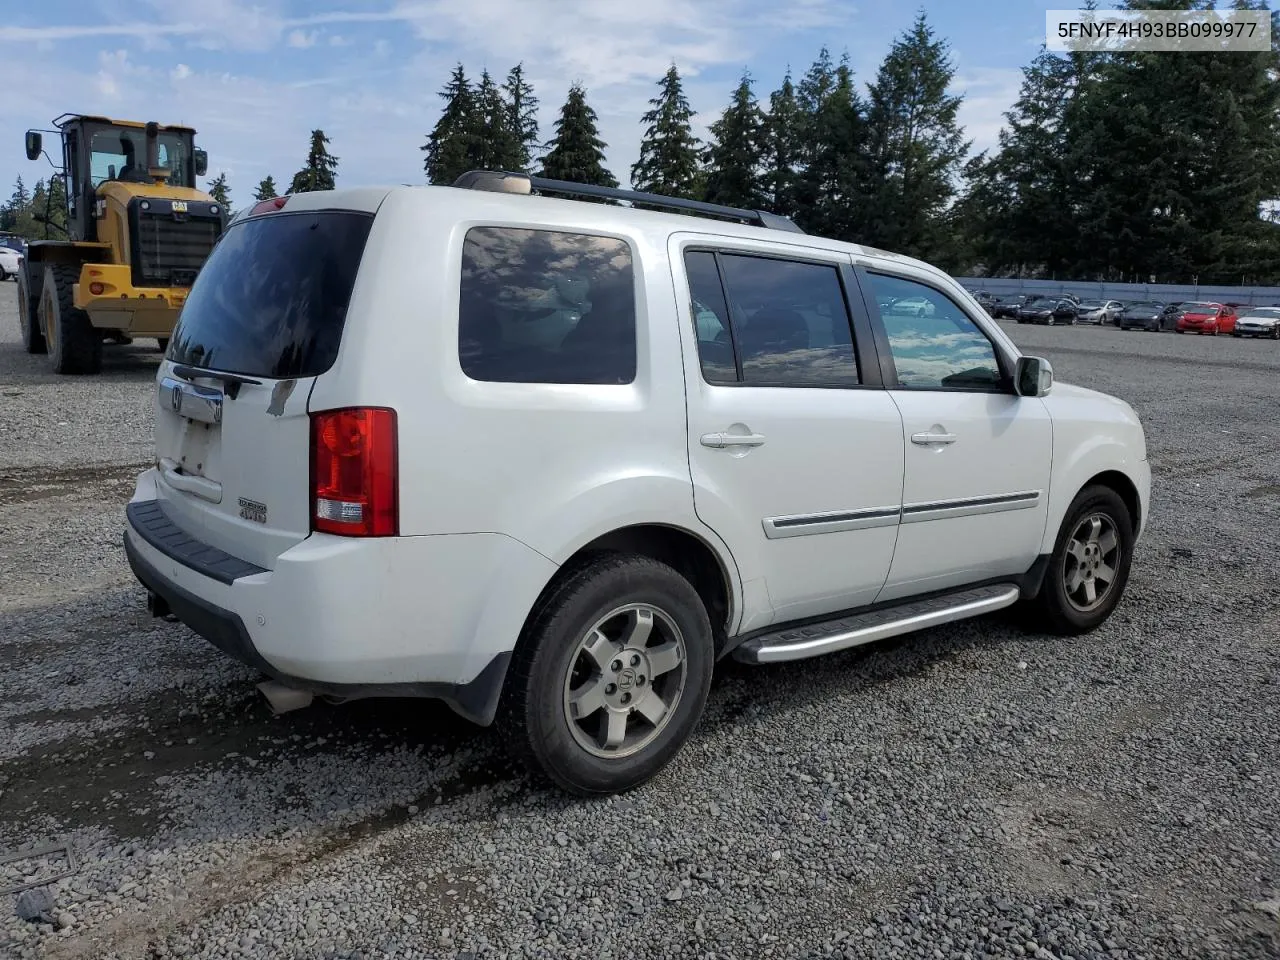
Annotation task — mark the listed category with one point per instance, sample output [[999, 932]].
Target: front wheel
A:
[[611, 676], [1089, 566]]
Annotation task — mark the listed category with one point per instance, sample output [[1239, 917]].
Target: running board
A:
[[798, 643]]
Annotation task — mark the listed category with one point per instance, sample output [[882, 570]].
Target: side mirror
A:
[[201, 162], [1032, 377], [35, 145]]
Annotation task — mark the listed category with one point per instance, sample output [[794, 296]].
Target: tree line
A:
[[1125, 166]]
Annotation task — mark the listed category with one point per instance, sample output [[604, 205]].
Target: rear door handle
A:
[[719, 440], [929, 439]]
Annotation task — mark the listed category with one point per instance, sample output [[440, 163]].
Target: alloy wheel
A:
[[625, 679], [1092, 562]]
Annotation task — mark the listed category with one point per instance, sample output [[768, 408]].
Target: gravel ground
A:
[[973, 791]]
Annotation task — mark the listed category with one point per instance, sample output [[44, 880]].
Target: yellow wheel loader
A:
[[137, 233]]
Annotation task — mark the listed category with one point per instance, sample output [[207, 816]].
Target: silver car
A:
[[1258, 322], [1098, 311]]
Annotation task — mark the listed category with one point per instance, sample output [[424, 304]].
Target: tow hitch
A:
[[157, 606]]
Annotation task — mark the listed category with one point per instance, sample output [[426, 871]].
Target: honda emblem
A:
[[175, 398]]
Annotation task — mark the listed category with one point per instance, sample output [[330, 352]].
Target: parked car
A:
[[986, 300], [1047, 310], [455, 442], [1098, 311], [10, 263], [1205, 317], [1258, 322], [1169, 316], [1142, 315], [1006, 308]]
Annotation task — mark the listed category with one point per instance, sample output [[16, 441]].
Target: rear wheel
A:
[[611, 676], [73, 343], [1089, 566], [29, 316]]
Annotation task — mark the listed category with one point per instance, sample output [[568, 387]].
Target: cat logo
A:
[[179, 206]]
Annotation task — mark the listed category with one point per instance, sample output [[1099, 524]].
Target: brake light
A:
[[267, 206], [354, 472]]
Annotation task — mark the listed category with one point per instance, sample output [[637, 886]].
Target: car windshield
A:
[[1197, 307], [1092, 304], [1266, 313], [1144, 305]]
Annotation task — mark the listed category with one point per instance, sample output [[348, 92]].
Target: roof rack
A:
[[501, 181]]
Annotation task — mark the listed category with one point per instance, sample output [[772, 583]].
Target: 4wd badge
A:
[[253, 510]]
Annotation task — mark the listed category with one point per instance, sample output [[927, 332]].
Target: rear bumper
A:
[[430, 617]]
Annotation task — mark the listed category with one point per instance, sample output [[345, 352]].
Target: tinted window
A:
[[539, 306], [710, 317], [934, 343], [789, 323], [271, 300]]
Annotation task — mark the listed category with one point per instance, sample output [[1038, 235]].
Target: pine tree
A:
[[219, 190], [48, 217], [266, 189], [782, 148], [668, 161], [320, 173], [449, 148], [735, 156], [833, 182], [522, 118], [493, 143], [917, 146], [812, 92], [576, 153], [17, 207]]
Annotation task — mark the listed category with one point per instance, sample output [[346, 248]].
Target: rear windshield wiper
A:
[[231, 381]]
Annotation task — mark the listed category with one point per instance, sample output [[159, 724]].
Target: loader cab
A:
[[98, 151]]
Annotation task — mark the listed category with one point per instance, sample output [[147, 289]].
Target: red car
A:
[[1210, 318]]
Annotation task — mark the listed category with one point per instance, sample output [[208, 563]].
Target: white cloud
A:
[[180, 72], [301, 39], [988, 93], [338, 40]]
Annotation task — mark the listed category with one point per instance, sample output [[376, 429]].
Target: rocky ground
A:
[[972, 791]]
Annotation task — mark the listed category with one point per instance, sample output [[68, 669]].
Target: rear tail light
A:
[[269, 205], [354, 472]]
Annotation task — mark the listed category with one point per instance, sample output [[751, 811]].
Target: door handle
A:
[[719, 440], [929, 439]]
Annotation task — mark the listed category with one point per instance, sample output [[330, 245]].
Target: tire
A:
[[163, 343], [607, 597], [29, 317], [74, 345], [1056, 609]]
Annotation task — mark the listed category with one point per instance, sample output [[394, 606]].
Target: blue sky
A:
[[255, 76]]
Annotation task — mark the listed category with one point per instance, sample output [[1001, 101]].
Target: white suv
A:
[[549, 460]]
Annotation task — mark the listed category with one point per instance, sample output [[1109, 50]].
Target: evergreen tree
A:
[[17, 207], [493, 141], [783, 132], [735, 156], [219, 190], [917, 147], [814, 89], [49, 210], [320, 173], [449, 148], [668, 161], [522, 118], [576, 153], [266, 189], [832, 186]]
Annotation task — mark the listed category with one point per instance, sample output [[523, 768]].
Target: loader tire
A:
[[74, 345], [29, 316]]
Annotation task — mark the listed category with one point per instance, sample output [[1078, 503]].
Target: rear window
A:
[[271, 300], [543, 306]]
